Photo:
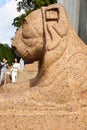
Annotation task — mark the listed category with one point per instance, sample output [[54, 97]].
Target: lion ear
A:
[[54, 24]]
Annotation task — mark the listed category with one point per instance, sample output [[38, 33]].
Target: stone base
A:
[[34, 119]]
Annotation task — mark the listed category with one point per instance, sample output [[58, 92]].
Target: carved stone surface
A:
[[57, 98]]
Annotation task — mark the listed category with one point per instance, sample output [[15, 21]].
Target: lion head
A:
[[41, 31]]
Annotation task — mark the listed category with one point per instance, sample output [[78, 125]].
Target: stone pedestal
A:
[[22, 117]]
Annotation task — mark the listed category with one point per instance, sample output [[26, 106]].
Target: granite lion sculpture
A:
[[48, 36], [56, 99]]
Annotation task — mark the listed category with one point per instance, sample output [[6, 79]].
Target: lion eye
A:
[[24, 22]]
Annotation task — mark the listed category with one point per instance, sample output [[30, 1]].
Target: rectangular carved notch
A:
[[51, 15]]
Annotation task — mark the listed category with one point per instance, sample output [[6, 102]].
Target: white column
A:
[[72, 7], [83, 20]]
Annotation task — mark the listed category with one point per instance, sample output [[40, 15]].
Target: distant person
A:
[[14, 70], [21, 64], [3, 70]]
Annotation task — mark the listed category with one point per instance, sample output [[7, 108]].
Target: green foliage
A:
[[6, 52], [18, 20], [28, 6], [39, 3]]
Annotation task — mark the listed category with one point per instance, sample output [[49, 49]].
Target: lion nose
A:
[[14, 44], [13, 47], [15, 50]]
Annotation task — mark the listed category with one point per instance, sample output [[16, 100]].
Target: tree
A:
[[28, 6], [6, 52]]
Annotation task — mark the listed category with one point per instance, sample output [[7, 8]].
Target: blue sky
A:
[[2, 2], [7, 13]]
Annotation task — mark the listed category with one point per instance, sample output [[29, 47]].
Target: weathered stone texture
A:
[[57, 98]]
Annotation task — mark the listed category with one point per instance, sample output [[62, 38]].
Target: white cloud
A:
[[7, 13]]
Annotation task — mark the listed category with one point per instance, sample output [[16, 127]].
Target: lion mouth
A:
[[25, 54]]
